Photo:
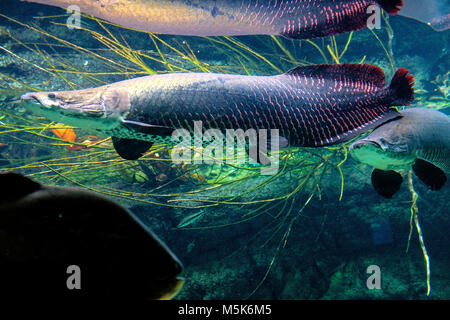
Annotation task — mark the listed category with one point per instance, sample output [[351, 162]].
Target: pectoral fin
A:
[[133, 149], [386, 183], [130, 149], [431, 175]]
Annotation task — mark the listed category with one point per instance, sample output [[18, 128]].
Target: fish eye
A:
[[52, 96]]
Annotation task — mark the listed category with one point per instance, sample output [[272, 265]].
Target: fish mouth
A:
[[34, 99], [82, 111], [31, 97], [365, 143], [73, 109]]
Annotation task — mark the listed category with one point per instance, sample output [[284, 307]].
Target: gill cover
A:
[[116, 102]]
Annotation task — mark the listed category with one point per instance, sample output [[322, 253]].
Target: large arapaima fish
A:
[[311, 106], [300, 19]]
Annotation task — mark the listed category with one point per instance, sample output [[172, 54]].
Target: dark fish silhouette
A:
[[44, 230], [419, 138], [300, 19], [311, 106]]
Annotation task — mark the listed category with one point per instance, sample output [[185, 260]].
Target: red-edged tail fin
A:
[[391, 6], [402, 88]]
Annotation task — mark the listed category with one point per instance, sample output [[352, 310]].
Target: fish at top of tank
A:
[[302, 19]]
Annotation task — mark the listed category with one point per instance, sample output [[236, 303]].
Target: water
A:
[[307, 233]]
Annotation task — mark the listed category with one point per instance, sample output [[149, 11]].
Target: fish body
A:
[[46, 229], [300, 19], [311, 106], [418, 139]]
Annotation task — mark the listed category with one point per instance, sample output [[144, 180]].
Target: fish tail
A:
[[391, 6], [402, 88]]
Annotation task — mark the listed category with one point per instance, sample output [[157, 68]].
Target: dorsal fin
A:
[[15, 186], [363, 73]]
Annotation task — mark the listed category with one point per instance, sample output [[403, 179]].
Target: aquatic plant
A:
[[415, 216]]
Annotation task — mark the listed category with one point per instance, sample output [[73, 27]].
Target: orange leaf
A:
[[65, 134]]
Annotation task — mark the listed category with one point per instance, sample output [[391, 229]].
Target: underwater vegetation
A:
[[306, 232]]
